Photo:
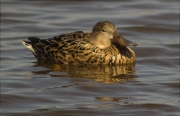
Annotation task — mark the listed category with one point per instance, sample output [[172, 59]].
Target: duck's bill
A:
[[130, 43], [122, 42]]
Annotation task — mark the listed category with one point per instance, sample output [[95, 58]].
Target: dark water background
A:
[[150, 88]]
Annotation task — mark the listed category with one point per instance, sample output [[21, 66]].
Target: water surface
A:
[[151, 87]]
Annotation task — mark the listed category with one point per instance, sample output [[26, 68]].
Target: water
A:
[[151, 87]]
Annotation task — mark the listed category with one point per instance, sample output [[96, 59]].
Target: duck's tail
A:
[[28, 45], [31, 45]]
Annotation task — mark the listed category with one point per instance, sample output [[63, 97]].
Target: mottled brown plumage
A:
[[103, 46]]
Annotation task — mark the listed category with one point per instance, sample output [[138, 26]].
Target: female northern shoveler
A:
[[103, 46]]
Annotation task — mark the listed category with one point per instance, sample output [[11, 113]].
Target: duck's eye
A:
[[103, 30]]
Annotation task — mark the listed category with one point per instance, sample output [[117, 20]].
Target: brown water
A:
[[149, 88]]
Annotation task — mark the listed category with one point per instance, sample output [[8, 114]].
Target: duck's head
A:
[[104, 34]]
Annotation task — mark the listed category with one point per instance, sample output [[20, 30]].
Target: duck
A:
[[103, 46]]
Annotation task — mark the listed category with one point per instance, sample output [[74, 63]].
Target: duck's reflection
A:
[[105, 74]]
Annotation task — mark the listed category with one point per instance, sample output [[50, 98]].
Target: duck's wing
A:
[[41, 43], [72, 51], [82, 35], [40, 47]]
